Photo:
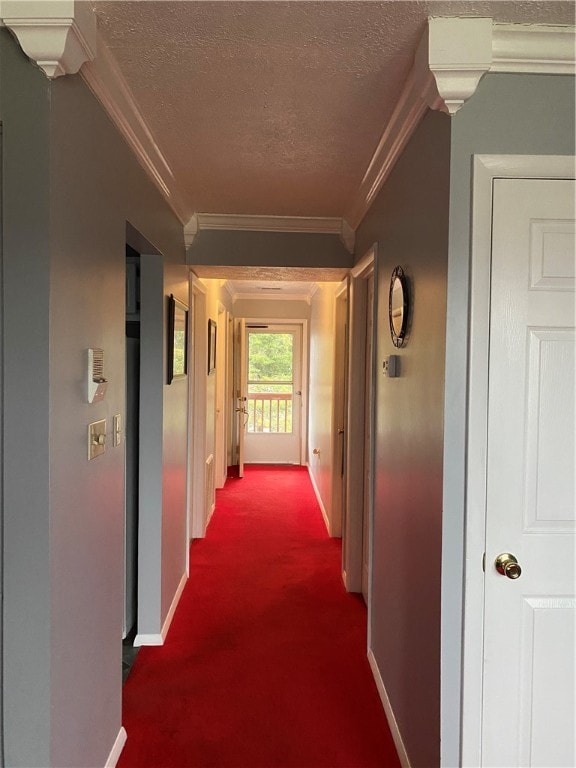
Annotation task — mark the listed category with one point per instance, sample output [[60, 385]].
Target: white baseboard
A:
[[175, 601], [319, 500], [158, 639], [148, 639], [395, 731], [117, 748]]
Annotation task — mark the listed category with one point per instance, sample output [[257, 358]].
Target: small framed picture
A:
[[211, 346], [177, 339]]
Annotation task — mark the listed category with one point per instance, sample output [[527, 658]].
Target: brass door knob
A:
[[507, 565]]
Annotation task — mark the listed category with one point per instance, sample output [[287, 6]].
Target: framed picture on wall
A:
[[177, 339], [211, 346]]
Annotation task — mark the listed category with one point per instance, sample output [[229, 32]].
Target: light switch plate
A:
[[96, 438], [117, 430]]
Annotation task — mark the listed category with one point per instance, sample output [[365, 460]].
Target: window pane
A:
[[270, 356]]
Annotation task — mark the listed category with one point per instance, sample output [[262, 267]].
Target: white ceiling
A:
[[275, 108]]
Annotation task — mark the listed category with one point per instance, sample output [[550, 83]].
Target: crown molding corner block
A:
[[348, 236], [59, 35], [458, 53], [190, 230]]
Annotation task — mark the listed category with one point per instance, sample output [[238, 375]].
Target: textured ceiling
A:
[[256, 277], [276, 107]]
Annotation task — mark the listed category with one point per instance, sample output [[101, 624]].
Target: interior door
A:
[[340, 394], [274, 394], [529, 661], [240, 392]]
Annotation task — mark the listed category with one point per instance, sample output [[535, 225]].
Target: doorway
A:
[[357, 531], [132, 439], [273, 387], [340, 406]]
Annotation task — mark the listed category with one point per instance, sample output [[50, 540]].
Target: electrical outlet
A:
[[117, 430]]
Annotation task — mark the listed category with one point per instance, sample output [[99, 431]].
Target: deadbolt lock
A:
[[507, 565]]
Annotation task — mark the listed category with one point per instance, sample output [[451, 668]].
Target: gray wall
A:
[[25, 299], [409, 221], [1, 439], [254, 249], [509, 114], [64, 292]]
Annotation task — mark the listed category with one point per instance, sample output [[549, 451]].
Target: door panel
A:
[[273, 390], [529, 662]]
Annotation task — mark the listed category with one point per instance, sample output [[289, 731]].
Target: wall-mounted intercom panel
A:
[[391, 366], [97, 384]]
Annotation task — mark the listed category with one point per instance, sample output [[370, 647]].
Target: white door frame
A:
[[197, 420], [353, 529], [303, 371], [486, 169], [339, 411]]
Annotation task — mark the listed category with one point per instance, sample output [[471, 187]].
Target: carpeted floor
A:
[[265, 663]]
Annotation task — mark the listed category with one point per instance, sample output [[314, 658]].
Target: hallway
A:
[[265, 663]]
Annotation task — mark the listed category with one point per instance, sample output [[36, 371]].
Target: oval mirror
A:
[[398, 306]]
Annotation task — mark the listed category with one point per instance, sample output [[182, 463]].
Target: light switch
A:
[[96, 438], [117, 430]]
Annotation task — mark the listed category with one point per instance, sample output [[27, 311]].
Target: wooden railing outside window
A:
[[270, 412]]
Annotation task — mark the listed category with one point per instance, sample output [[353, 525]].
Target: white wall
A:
[[277, 309], [208, 297], [216, 297], [321, 394]]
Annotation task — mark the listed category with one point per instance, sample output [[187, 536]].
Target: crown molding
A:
[[272, 296], [453, 56], [535, 49], [107, 83], [58, 35], [240, 222], [324, 225]]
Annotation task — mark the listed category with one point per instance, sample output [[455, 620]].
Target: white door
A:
[[274, 394], [239, 393], [529, 716], [340, 395], [220, 452]]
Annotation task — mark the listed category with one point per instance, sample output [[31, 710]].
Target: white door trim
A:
[[486, 169], [352, 533], [197, 422], [339, 413]]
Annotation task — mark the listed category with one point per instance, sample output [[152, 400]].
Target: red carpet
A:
[[265, 663]]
